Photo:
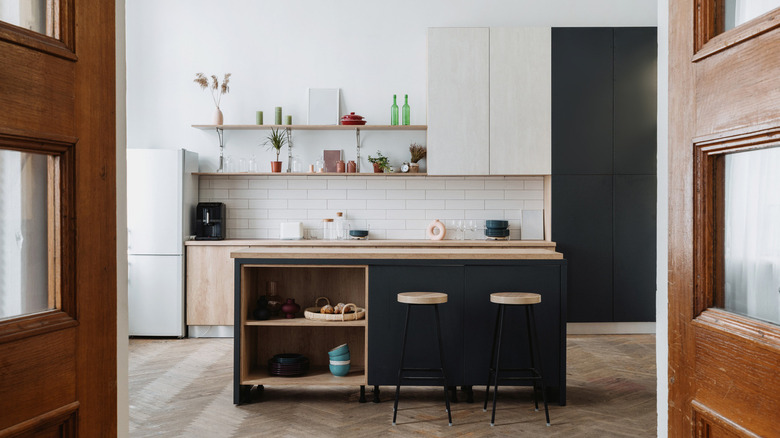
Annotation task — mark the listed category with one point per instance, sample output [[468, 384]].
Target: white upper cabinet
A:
[[489, 101], [458, 101], [520, 101]]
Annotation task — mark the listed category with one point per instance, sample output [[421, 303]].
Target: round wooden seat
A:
[[515, 298], [422, 297]]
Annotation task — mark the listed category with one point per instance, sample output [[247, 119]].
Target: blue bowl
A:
[[338, 351], [500, 224], [339, 370], [358, 233], [340, 357]]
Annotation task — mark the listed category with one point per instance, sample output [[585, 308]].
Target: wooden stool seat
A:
[[422, 297], [515, 298]]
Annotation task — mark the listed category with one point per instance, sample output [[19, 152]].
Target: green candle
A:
[[278, 118], [259, 117], [289, 120]]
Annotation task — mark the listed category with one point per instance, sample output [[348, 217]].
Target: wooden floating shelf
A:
[[315, 376], [303, 322], [280, 174], [319, 127]]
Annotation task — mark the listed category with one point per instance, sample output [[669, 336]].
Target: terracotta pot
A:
[[377, 168], [290, 308], [276, 166], [340, 167], [414, 168], [351, 167]]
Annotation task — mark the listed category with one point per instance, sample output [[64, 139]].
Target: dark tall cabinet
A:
[[604, 169]]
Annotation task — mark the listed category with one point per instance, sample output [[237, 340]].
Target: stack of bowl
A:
[[497, 229], [339, 360]]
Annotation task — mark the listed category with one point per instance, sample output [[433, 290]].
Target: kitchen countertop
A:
[[486, 244], [399, 251]]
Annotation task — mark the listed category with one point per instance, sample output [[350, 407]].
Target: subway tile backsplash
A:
[[394, 207]]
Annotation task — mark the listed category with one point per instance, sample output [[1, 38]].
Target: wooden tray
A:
[[314, 312]]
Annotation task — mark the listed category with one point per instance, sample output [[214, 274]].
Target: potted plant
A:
[[275, 140], [418, 152], [380, 162], [217, 90]]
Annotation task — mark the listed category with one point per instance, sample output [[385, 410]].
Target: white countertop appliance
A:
[[161, 196]]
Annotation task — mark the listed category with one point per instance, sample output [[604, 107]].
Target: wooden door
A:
[[57, 101], [724, 97]]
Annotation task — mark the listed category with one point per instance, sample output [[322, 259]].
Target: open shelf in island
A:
[[315, 376], [303, 322]]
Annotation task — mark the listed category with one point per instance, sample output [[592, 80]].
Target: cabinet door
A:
[[155, 296], [458, 101], [520, 101], [582, 101], [210, 284], [635, 100], [386, 322], [480, 318], [635, 248], [582, 228]]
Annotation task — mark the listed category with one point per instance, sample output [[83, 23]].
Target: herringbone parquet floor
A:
[[183, 388]]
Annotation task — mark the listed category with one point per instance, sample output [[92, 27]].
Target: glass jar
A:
[[328, 229]]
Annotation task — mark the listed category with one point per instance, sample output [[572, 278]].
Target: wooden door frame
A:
[[695, 185], [82, 143]]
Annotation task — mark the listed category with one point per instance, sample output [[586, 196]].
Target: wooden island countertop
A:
[[392, 249]]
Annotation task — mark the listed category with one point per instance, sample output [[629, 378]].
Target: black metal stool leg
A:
[[401, 366], [492, 361], [539, 361], [531, 351], [498, 363], [441, 358]]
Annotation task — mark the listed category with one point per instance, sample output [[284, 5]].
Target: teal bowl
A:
[[340, 368], [338, 351], [340, 357]]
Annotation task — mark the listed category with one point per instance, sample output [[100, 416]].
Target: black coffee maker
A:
[[210, 221]]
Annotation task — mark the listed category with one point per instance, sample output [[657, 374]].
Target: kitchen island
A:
[[370, 274]]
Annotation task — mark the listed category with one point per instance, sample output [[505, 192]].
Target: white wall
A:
[[275, 50]]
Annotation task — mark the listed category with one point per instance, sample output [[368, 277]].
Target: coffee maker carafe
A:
[[210, 221]]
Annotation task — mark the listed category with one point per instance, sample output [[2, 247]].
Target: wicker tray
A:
[[314, 312]]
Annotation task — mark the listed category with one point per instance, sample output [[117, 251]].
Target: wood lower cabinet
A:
[[258, 341], [210, 284]]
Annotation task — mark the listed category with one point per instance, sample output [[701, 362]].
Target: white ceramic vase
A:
[[216, 119]]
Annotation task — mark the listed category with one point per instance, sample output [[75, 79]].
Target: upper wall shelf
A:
[[319, 127]]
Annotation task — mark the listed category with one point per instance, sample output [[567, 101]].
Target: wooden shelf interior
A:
[[318, 127], [315, 376], [261, 340]]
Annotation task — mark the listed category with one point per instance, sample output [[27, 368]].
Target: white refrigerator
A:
[[161, 196]]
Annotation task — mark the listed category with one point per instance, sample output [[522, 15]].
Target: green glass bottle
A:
[[405, 113], [394, 112]]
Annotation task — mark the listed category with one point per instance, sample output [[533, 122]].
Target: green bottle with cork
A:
[[405, 111], [394, 112]]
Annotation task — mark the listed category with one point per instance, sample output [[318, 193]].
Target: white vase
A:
[[216, 119]]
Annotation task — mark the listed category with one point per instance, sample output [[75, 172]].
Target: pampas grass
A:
[[217, 89], [417, 151]]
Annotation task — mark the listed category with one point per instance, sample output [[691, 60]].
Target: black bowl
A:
[[358, 233], [499, 224], [289, 358], [492, 232]]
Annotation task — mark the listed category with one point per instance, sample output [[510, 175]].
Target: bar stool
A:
[[527, 300], [426, 299]]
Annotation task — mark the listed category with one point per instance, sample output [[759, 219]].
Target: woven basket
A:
[[314, 312]]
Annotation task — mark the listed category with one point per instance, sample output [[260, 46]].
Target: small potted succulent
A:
[[276, 140], [418, 152], [380, 162]]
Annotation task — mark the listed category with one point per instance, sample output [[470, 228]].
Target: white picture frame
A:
[[532, 227], [323, 106]]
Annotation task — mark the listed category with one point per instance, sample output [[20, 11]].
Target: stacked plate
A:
[[288, 365], [497, 229]]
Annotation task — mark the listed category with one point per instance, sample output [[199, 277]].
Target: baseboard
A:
[[610, 328], [210, 331]]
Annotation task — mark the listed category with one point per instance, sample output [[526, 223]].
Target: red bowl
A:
[[353, 122]]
